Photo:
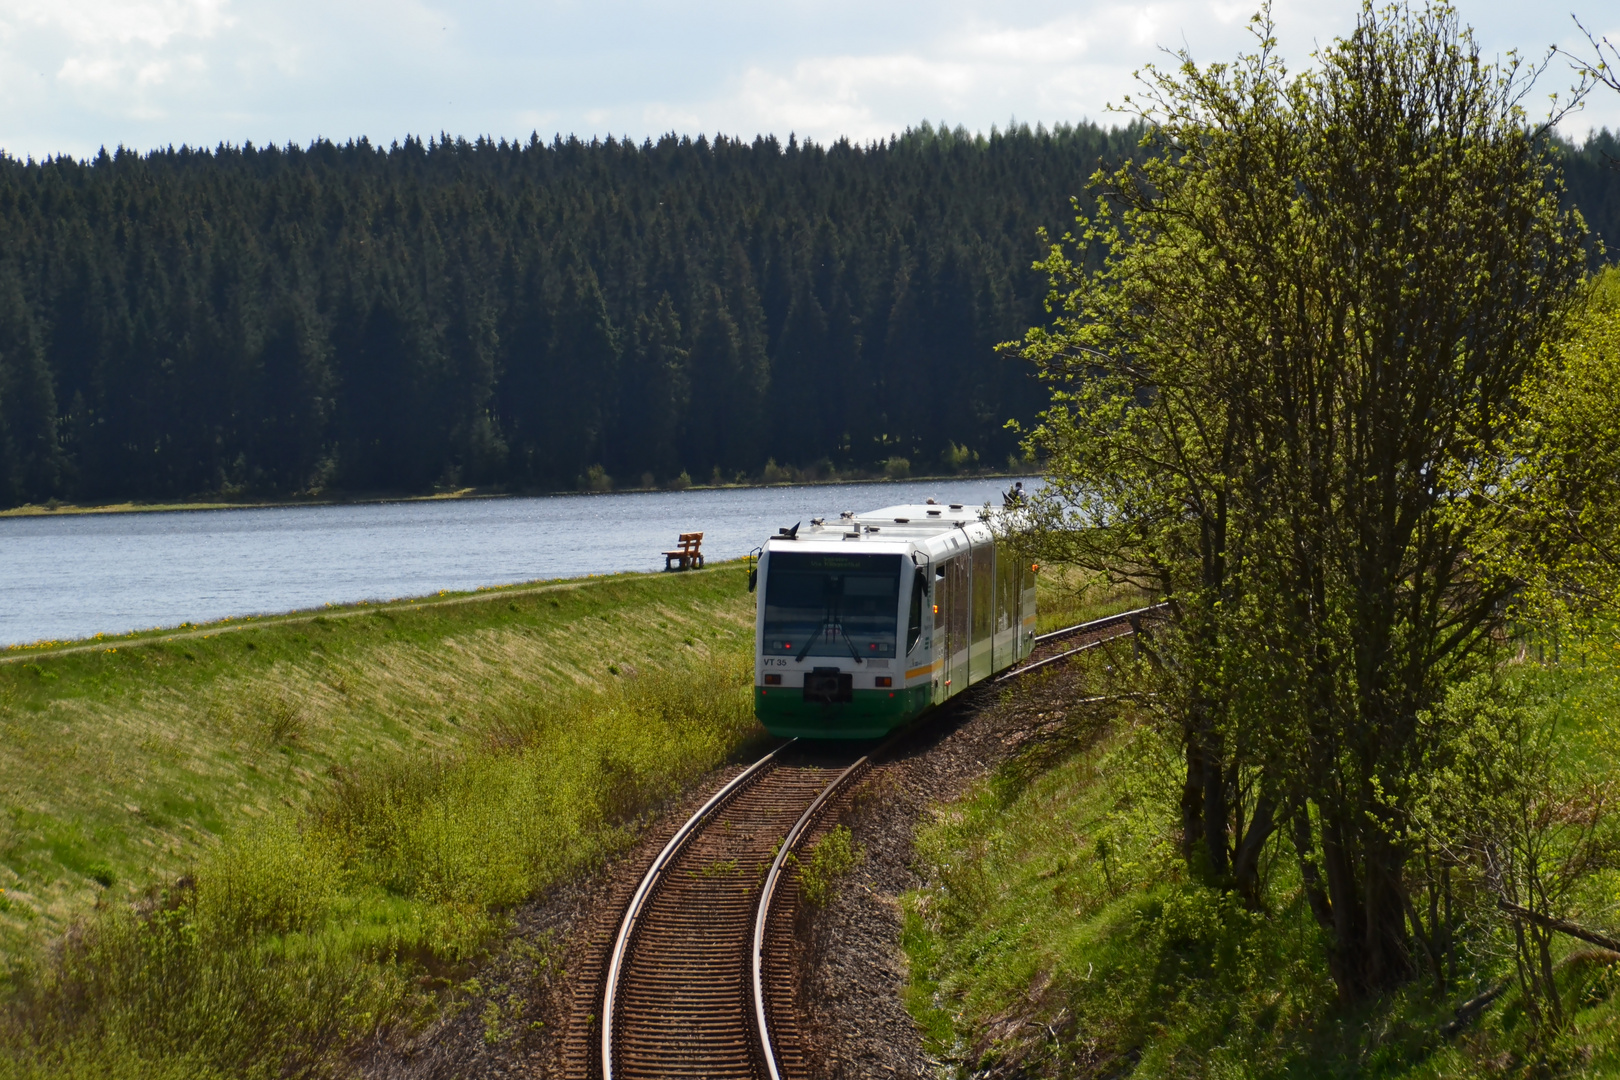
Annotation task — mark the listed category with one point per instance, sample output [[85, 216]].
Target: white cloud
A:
[[99, 23], [979, 72], [76, 74], [1061, 41], [120, 60]]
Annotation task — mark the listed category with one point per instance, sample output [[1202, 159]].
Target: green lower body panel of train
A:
[[869, 714]]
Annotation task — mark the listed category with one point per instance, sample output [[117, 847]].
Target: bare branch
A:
[[1562, 926]]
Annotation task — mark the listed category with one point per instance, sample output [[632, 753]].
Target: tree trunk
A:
[[1216, 807], [1371, 951], [1388, 951], [1192, 796], [1347, 921], [1246, 862]]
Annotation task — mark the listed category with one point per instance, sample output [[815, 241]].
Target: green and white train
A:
[[867, 622]]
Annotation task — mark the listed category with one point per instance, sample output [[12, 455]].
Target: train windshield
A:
[[831, 605]]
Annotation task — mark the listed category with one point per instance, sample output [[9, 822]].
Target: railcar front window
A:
[[831, 605]]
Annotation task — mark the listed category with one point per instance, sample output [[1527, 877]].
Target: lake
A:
[[78, 575]]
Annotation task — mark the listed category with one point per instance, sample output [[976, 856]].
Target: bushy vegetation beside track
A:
[[294, 834], [1344, 396], [1058, 933]]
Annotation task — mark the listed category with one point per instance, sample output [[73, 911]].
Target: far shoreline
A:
[[38, 510]]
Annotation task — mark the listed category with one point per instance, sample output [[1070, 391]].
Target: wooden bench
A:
[[689, 556]]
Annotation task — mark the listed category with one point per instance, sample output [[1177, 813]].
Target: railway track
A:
[[1062, 644], [696, 977]]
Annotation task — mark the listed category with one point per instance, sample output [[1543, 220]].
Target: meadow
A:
[[236, 849]]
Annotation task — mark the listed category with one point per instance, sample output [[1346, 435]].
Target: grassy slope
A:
[[1066, 596], [124, 758], [122, 763], [1057, 934]]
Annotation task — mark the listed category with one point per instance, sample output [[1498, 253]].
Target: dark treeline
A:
[[517, 315]]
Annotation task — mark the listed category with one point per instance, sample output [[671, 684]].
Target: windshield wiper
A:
[[832, 626], [854, 653], [832, 623]]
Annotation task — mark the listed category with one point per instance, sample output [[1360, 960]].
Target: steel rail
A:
[[1103, 623], [621, 944], [763, 912], [1098, 624], [1037, 665]]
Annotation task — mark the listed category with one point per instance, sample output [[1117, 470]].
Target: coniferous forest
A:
[[534, 316]]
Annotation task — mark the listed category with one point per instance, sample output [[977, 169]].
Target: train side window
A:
[[984, 592], [1006, 591], [919, 588]]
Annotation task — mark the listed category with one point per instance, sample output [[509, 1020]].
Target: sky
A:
[[77, 75]]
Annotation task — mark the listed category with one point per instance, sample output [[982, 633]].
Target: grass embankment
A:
[[1066, 596], [268, 842], [1058, 934]]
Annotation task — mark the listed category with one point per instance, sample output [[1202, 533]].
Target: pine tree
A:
[[399, 317]]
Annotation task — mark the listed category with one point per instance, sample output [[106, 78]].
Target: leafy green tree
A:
[[1322, 296], [1547, 512]]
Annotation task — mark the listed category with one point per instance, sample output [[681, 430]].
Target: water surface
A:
[[78, 575]]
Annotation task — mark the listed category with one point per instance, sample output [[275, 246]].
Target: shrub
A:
[[275, 879], [280, 719], [833, 856], [166, 993], [958, 458]]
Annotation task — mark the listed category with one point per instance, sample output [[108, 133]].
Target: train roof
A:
[[937, 527], [924, 514]]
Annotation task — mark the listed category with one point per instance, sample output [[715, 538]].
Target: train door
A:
[[919, 633], [958, 574], [1026, 636], [942, 638], [917, 615], [984, 611], [1007, 615]]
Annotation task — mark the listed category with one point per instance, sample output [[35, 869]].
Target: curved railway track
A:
[[1064, 643], [699, 979]]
